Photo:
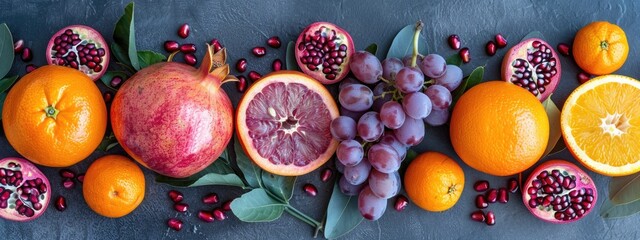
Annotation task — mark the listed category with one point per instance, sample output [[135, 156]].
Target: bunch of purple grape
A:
[[378, 126]]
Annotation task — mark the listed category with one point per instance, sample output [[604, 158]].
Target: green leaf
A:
[[148, 58], [534, 34], [108, 142], [454, 59], [120, 54], [106, 78], [372, 48], [342, 214], [252, 173], [124, 37], [218, 173], [6, 83], [623, 190], [6, 50], [280, 186], [611, 210], [473, 79], [292, 64], [402, 44], [3, 96], [553, 113], [257, 206]]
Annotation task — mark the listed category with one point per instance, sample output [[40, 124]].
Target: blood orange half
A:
[[283, 123]]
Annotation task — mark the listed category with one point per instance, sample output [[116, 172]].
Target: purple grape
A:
[[392, 115], [350, 152], [357, 174], [409, 80], [437, 117], [346, 82], [433, 66], [371, 206], [343, 128], [391, 67], [339, 166], [383, 158], [440, 97], [356, 97], [384, 185], [378, 99], [451, 78], [411, 133], [370, 127], [389, 138], [348, 113], [416, 105], [366, 67], [349, 189]]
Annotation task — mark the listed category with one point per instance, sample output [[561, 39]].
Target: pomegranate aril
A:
[[115, 81], [171, 46], [26, 54], [503, 195], [108, 96], [190, 59], [465, 55], [481, 186], [175, 196], [66, 173], [274, 42], [226, 206], [183, 30], [219, 214], [180, 207], [492, 196], [80, 176], [276, 65], [481, 201], [242, 83], [512, 184], [478, 216], [210, 198], [491, 218], [188, 48], [241, 65], [454, 41], [500, 41], [401, 203], [490, 48], [217, 46], [310, 189], [259, 51], [583, 77], [254, 76], [68, 183], [326, 174], [205, 216], [175, 224], [533, 203], [564, 49], [61, 203], [30, 67], [18, 46]]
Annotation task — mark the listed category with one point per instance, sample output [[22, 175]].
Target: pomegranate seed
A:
[[512, 185], [188, 48], [478, 216], [205, 216], [401, 203], [501, 41], [481, 186], [217, 46], [491, 218], [241, 65], [242, 83], [219, 214], [108, 96], [190, 59], [326, 174], [310, 189], [583, 77], [503, 196], [18, 46], [211, 198], [276, 65], [68, 183], [30, 67], [492, 196], [481, 202], [183, 31], [454, 42], [465, 55], [115, 81], [254, 76], [174, 224], [61, 203], [564, 49], [226, 206], [274, 42], [171, 46], [80, 176], [490, 48], [66, 173], [26, 54], [259, 51], [175, 196], [180, 207]]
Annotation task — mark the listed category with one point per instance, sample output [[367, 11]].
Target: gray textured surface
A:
[[241, 25]]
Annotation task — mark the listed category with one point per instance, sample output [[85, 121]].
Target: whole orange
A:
[[434, 181], [499, 128], [600, 48], [113, 186], [54, 116]]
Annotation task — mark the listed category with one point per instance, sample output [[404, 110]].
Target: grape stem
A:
[[416, 36]]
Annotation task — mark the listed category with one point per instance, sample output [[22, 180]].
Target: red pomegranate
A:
[[175, 119]]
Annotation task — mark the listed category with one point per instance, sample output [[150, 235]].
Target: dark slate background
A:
[[241, 25]]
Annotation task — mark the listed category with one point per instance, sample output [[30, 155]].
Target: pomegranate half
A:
[[24, 190], [533, 65], [80, 47], [175, 119], [323, 51]]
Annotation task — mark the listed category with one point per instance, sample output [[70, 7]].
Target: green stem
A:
[[303, 217], [416, 36]]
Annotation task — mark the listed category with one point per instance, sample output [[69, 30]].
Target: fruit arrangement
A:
[[332, 109]]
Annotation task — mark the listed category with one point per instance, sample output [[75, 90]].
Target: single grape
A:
[[346, 82], [356, 97], [371, 206], [440, 97], [409, 80], [366, 67], [411, 133], [407, 61], [378, 92], [349, 189], [339, 166], [352, 114], [370, 127], [437, 117], [451, 78], [384, 185], [357, 174], [391, 67], [350, 152], [390, 139], [417, 105], [343, 128], [383, 158], [433, 66], [392, 115]]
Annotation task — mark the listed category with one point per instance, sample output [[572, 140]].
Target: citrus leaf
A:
[[473, 79], [611, 210], [148, 58], [106, 78], [623, 190], [402, 44], [342, 214], [6, 83], [454, 59], [257, 206], [108, 142], [280, 186], [372, 48], [124, 38], [553, 113], [6, 50], [292, 64], [218, 173], [251, 172], [3, 96], [534, 34]]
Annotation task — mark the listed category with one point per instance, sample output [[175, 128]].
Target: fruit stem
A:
[[51, 112], [416, 36], [170, 57], [384, 80], [303, 217]]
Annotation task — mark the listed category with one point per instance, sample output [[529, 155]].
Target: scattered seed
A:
[[254, 76], [564, 49], [481, 186], [512, 184], [171, 46], [188, 48], [219, 214], [242, 83], [26, 54], [175, 196], [310, 189], [30, 67], [490, 48], [190, 59], [465, 55], [583, 77], [211, 198], [241, 65], [205, 216], [180, 207], [276, 65], [259, 51], [66, 173], [183, 31], [401, 203], [68, 183], [454, 42], [174, 224], [61, 203], [326, 174], [491, 218], [500, 41], [226, 206], [478, 216], [18, 46], [274, 42]]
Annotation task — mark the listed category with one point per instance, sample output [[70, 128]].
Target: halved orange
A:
[[600, 123], [283, 123]]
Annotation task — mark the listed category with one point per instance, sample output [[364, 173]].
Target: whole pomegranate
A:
[[175, 119], [24, 190]]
